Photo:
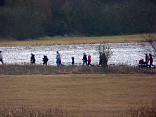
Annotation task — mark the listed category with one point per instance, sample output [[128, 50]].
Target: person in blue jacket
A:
[[58, 58]]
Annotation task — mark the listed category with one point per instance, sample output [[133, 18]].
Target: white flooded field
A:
[[122, 53]]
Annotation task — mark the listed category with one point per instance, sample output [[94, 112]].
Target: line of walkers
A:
[[58, 59], [148, 59], [142, 63], [147, 63], [85, 60]]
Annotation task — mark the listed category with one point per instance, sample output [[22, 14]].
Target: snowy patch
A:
[[123, 53]]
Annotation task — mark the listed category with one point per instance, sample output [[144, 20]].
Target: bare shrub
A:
[[151, 40], [105, 54]]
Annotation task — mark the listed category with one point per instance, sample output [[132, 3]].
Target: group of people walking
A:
[[148, 61], [86, 60], [58, 59], [32, 59]]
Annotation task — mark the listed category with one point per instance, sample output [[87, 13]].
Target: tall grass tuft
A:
[[48, 70], [26, 112], [143, 110]]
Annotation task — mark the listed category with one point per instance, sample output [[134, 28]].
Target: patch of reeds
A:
[[143, 110], [26, 112], [140, 110], [48, 70]]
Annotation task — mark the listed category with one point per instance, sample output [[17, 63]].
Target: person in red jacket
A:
[[89, 60], [146, 60]]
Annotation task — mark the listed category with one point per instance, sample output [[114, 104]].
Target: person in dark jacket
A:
[[32, 59], [73, 61], [60, 62], [1, 57], [84, 59], [45, 60], [100, 59], [151, 61]]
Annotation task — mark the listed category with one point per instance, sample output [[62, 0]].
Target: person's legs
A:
[[2, 61], [100, 62], [83, 62], [73, 63], [88, 63], [150, 65], [34, 62], [59, 62], [146, 63], [44, 62]]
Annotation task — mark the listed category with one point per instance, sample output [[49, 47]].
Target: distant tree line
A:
[[22, 19]]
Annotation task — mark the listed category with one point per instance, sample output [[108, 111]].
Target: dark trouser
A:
[[89, 63], [146, 63], [100, 62], [84, 62], [32, 62], [151, 64], [60, 62], [73, 63], [45, 63], [2, 61]]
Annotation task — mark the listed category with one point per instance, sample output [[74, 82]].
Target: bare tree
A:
[[151, 39], [105, 53]]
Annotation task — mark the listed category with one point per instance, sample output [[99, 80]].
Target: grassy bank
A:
[[48, 70], [77, 40], [138, 110], [82, 95]]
